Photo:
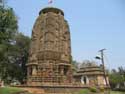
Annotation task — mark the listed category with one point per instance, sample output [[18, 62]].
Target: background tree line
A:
[[14, 47], [117, 79]]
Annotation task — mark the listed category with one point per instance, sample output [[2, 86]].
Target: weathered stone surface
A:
[[50, 52]]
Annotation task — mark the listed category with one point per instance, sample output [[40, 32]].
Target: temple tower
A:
[[50, 52]]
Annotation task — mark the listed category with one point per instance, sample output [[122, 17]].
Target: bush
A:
[[93, 89], [102, 89]]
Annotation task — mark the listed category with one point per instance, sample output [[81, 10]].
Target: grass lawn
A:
[[117, 92], [87, 91], [9, 90], [82, 91]]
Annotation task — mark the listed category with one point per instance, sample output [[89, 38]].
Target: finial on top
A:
[[50, 1]]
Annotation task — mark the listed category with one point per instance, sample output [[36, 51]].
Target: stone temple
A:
[[50, 51]]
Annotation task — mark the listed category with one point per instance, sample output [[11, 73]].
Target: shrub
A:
[[93, 89], [102, 89]]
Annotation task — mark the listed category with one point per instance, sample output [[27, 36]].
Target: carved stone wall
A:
[[50, 52]]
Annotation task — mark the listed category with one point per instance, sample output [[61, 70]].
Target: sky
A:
[[94, 25]]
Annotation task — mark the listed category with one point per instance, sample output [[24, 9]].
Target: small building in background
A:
[[91, 74]]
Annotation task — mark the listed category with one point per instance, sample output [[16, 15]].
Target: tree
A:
[[8, 25], [117, 78], [22, 44], [13, 47], [8, 29]]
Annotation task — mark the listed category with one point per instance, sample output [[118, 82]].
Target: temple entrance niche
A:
[[63, 70], [84, 80], [32, 70]]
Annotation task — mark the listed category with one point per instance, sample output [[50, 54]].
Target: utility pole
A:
[[103, 64]]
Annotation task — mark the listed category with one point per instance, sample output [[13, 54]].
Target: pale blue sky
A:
[[94, 24]]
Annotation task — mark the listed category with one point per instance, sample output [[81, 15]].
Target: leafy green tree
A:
[[22, 45], [117, 78], [8, 25], [13, 47], [18, 57], [8, 29]]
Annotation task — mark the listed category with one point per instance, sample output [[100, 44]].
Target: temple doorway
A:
[[84, 80]]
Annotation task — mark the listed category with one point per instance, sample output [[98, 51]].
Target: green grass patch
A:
[[88, 91], [9, 90], [82, 91], [117, 92]]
